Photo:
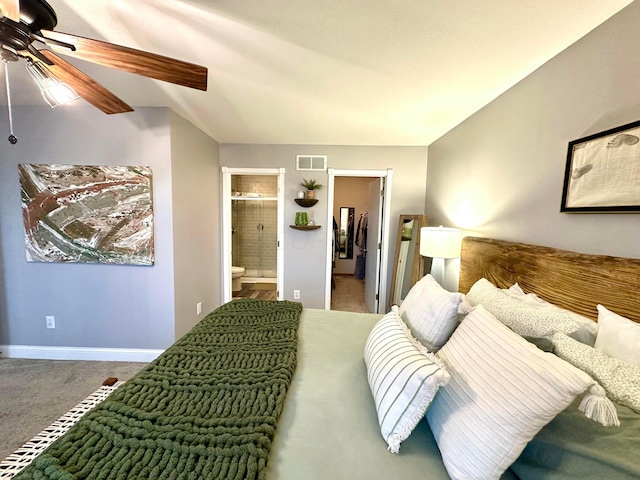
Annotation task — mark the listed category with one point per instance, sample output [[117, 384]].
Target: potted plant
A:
[[311, 185]]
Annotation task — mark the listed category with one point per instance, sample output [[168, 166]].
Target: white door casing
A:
[[226, 226], [387, 175]]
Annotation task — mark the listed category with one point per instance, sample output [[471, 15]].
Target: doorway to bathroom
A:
[[253, 223]]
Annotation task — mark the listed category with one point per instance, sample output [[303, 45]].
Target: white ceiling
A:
[[336, 72]]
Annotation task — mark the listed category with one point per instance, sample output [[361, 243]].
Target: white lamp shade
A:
[[440, 242]]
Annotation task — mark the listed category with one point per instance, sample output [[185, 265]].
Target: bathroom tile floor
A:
[[261, 291]]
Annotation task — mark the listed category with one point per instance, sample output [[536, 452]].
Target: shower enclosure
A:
[[254, 215], [253, 230]]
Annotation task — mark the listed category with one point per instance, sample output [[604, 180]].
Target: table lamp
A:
[[441, 244]]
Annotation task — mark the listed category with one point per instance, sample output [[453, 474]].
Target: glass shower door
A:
[[253, 229], [255, 225]]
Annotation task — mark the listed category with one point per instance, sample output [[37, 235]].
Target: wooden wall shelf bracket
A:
[[306, 202], [305, 227]]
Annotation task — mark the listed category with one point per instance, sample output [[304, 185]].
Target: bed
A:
[[326, 421]]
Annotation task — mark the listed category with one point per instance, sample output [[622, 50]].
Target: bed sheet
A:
[[572, 446], [329, 427]]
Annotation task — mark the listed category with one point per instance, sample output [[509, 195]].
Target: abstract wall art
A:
[[87, 213]]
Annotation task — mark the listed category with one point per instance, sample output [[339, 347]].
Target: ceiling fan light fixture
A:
[[54, 91], [59, 94]]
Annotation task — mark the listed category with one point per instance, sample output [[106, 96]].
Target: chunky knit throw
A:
[[206, 408]]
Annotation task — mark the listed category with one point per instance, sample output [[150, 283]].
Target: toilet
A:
[[236, 278]]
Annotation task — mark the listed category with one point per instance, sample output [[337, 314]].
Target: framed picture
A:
[[603, 172], [87, 213]]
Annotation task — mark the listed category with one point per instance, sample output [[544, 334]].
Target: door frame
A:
[[227, 172], [387, 175]]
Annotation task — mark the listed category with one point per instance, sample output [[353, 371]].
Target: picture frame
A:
[[87, 213], [602, 173]]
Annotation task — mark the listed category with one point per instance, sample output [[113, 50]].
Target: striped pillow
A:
[[403, 377], [431, 312], [503, 390]]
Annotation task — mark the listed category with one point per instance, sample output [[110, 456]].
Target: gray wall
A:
[[305, 252], [500, 173], [195, 178], [111, 306]]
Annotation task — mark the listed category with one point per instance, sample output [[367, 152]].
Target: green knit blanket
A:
[[207, 408]]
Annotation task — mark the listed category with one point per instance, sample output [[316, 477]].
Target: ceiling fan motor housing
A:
[[17, 36], [37, 15], [34, 16]]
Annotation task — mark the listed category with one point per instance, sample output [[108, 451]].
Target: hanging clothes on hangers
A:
[[361, 242], [361, 233], [336, 240]]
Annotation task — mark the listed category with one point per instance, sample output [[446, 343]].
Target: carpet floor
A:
[[348, 294], [35, 393]]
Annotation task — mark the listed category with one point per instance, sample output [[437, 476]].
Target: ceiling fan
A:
[[24, 22]]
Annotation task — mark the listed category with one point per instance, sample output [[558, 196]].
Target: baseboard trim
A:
[[79, 353]]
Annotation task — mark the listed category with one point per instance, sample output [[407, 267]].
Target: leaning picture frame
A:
[[602, 173]]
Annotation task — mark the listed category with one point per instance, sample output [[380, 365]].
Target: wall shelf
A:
[[305, 227], [306, 202]]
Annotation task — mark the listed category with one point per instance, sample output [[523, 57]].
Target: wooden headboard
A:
[[575, 281]]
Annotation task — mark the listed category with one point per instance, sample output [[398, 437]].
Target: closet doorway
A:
[[252, 226], [358, 202]]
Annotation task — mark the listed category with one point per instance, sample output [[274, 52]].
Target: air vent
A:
[[311, 162]]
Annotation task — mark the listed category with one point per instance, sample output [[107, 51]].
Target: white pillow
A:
[[620, 379], [431, 312], [403, 377], [618, 336], [521, 318], [503, 390]]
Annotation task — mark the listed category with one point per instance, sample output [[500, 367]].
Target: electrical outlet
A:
[[51, 321], [296, 294], [198, 308]]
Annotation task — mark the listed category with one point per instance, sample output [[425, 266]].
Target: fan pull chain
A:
[[12, 138]]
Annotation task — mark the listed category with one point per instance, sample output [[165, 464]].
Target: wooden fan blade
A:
[[87, 87], [132, 60], [10, 9]]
